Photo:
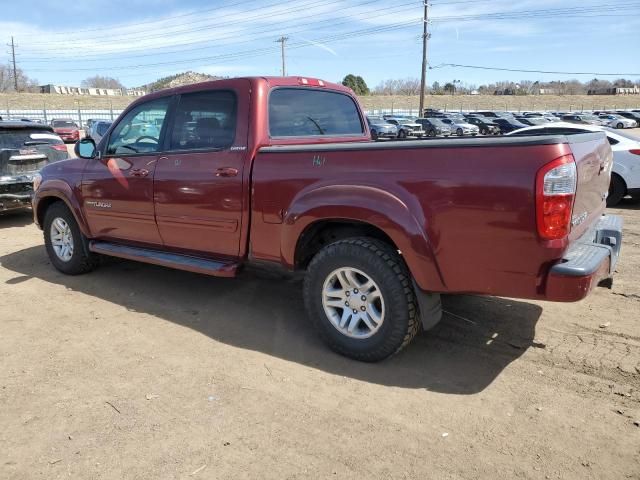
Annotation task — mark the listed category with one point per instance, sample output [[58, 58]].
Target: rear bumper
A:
[[588, 261]]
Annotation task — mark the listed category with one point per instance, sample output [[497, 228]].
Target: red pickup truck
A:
[[282, 172]]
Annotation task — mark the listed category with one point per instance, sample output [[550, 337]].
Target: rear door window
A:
[[19, 138], [306, 112], [205, 120]]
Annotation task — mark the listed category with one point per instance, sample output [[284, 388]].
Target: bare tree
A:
[[99, 81], [25, 84]]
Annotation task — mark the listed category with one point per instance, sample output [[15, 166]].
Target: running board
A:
[[167, 259]]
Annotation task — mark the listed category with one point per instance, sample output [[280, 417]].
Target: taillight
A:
[[635, 151], [61, 147], [555, 190]]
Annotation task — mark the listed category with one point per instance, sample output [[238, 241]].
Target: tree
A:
[[356, 83], [449, 87], [25, 84], [99, 81], [436, 89]]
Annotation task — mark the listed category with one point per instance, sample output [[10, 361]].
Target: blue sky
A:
[[138, 41]]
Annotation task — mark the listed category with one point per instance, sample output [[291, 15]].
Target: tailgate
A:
[[594, 161]]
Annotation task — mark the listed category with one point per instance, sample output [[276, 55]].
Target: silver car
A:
[[97, 130], [380, 128], [460, 127]]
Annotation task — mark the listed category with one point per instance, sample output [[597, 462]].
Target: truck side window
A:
[[309, 112], [139, 131], [204, 120]]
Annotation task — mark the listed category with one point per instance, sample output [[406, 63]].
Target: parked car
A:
[[282, 172], [380, 128], [625, 179], [25, 148], [434, 127], [583, 119], [531, 120], [407, 127], [98, 129], [631, 115], [461, 127], [506, 125], [495, 114], [485, 125], [617, 121], [66, 128]]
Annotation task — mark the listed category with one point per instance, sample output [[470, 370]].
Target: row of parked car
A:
[[435, 123]]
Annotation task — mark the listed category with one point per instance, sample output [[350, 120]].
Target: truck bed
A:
[[469, 204]]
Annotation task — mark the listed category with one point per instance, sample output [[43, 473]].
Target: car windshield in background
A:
[[436, 122], [377, 120], [63, 124], [589, 117], [304, 112], [102, 128]]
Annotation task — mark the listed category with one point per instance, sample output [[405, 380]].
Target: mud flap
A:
[[430, 307]]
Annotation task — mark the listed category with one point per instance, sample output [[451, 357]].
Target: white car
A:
[[625, 178], [406, 127], [618, 121], [460, 127]]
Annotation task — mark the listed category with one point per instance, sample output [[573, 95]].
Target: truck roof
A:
[[291, 81]]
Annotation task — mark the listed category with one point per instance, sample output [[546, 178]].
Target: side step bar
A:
[[167, 259]]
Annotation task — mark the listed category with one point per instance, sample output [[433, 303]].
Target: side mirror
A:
[[85, 148]]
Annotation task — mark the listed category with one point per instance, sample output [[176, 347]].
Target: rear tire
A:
[[364, 282], [619, 125], [432, 133], [67, 248], [402, 134], [459, 132], [617, 190]]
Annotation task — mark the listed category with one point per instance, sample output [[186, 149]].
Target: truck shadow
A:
[[19, 218], [477, 338]]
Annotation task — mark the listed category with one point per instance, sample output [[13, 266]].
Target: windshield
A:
[[18, 138], [64, 124], [376, 120], [589, 117]]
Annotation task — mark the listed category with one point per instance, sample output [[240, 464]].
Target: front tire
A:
[[617, 190], [374, 135], [67, 248], [402, 134], [359, 295], [459, 132], [619, 125]]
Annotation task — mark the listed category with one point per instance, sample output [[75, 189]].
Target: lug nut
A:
[[355, 290], [363, 308], [347, 293], [346, 304], [355, 311], [363, 298]]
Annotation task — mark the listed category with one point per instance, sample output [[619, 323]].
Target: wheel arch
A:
[[48, 194], [332, 212]]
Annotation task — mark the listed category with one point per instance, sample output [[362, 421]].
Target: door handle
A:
[[226, 172], [139, 172]]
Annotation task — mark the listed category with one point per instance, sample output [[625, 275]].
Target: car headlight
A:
[[37, 180]]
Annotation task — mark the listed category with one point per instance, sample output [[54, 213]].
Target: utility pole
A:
[[425, 37], [282, 41], [15, 70]]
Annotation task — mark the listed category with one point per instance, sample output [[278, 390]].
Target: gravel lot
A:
[[136, 371]]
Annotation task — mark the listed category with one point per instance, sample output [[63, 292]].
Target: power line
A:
[[249, 53], [379, 12], [217, 24], [533, 71]]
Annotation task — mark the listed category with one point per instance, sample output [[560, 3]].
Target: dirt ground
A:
[[140, 372]]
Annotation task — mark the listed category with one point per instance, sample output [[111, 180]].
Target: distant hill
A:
[[177, 80]]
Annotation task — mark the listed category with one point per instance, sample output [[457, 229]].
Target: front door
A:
[[198, 183], [117, 188]]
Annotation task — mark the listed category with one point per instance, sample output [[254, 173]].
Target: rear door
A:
[[117, 188], [198, 182]]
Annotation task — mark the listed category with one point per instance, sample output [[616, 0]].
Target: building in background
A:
[[109, 92], [615, 91]]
